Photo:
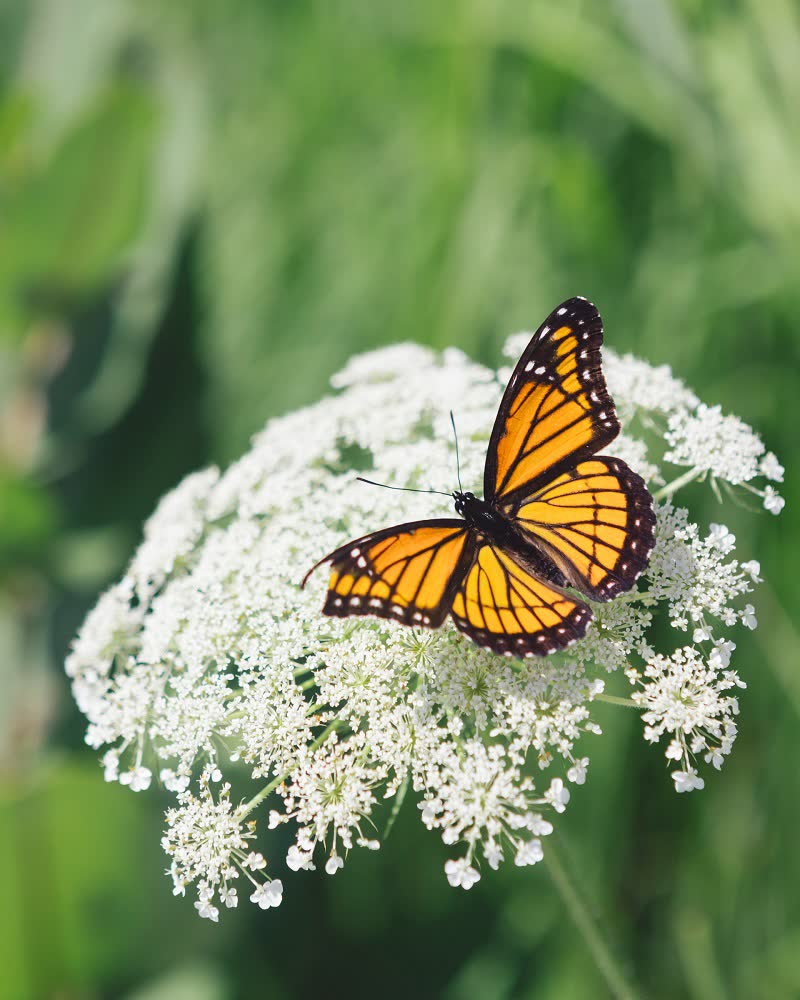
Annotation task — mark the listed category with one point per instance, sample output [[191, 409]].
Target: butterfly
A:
[[555, 515]]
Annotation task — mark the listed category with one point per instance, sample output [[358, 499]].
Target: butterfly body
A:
[[555, 515], [492, 526]]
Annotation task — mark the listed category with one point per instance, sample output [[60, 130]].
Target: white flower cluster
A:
[[683, 694], [208, 670], [208, 843], [723, 448]]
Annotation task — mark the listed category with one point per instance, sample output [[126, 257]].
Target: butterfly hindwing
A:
[[408, 573], [509, 609], [556, 409], [595, 522]]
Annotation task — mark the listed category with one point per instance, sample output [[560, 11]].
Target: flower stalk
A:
[[602, 954]]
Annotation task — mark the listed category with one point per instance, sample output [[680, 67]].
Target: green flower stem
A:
[[671, 488], [605, 961], [259, 797], [614, 699]]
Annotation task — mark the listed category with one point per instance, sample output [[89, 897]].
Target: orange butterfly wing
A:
[[408, 573], [505, 606], [556, 409], [596, 523]]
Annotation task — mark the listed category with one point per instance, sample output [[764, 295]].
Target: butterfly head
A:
[[483, 517], [463, 501]]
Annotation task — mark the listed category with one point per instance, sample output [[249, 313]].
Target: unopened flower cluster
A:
[[208, 671]]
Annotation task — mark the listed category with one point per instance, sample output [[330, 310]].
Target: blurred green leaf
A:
[[67, 850], [16, 116], [69, 220], [84, 560], [28, 518]]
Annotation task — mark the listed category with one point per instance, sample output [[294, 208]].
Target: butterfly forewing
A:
[[596, 523], [556, 409], [408, 573], [507, 608]]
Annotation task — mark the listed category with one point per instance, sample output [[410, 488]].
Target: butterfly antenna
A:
[[458, 458], [405, 489]]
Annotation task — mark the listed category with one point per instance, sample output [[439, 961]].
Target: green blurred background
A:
[[205, 208]]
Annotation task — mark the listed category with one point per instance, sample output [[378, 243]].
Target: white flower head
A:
[[771, 468], [686, 697], [173, 782], [773, 501], [720, 656], [529, 853], [637, 386], [207, 840], [558, 795], [137, 779], [333, 864], [206, 910], [720, 537], [493, 853], [461, 874], [749, 617], [687, 781], [707, 440], [297, 859], [753, 570], [207, 665], [577, 773], [229, 897], [268, 894]]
